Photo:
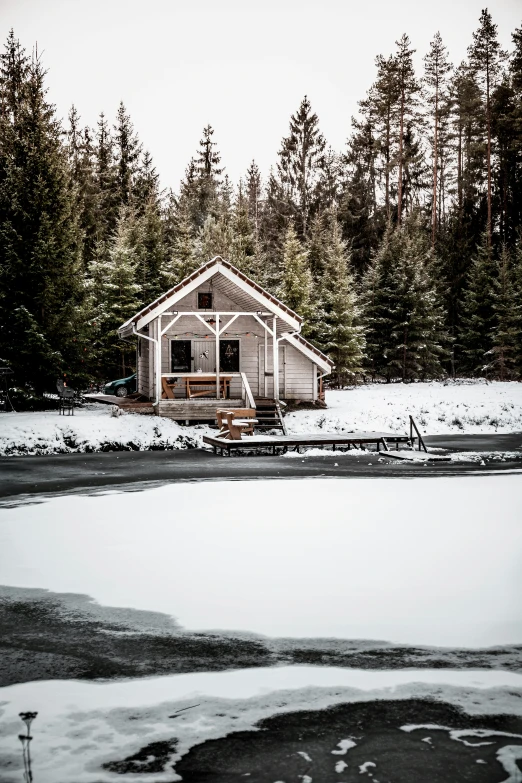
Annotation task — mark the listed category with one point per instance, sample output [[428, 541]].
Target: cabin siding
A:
[[297, 372], [143, 386]]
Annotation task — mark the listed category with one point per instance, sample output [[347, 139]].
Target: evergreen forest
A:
[[402, 251]]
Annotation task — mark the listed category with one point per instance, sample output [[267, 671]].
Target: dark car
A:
[[121, 387]]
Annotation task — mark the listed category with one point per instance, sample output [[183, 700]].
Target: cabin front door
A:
[[204, 356]]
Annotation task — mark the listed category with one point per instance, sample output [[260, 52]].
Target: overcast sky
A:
[[239, 65]]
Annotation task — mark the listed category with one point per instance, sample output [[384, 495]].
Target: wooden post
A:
[[275, 351], [266, 363], [218, 391], [158, 359]]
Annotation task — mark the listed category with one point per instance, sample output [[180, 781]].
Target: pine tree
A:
[[507, 309], [128, 151], [486, 59], [150, 251], [478, 315], [146, 185], [436, 71], [404, 320], [114, 296], [253, 194], [377, 300], [207, 179], [40, 237], [214, 239], [379, 109], [244, 250], [276, 212], [406, 110], [296, 279], [301, 165], [419, 339], [341, 335], [517, 285], [82, 168], [179, 256], [106, 182], [358, 213]]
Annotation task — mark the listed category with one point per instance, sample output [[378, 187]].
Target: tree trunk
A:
[[435, 153], [404, 352], [388, 165], [488, 122], [401, 144], [459, 172]]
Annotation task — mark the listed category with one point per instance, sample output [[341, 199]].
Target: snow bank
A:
[[478, 457], [80, 726], [438, 408], [395, 559], [93, 428]]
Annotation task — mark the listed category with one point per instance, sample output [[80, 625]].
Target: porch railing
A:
[[249, 399]]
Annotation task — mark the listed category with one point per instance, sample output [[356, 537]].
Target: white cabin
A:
[[217, 310]]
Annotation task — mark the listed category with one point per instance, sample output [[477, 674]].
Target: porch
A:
[[195, 396]]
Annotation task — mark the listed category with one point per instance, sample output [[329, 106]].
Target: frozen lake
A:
[[83, 725], [422, 561]]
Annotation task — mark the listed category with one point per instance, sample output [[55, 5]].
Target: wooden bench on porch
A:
[[196, 385], [233, 422]]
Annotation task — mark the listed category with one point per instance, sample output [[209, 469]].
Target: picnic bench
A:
[[234, 422], [196, 385]]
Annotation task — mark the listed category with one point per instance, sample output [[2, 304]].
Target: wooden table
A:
[[194, 383]]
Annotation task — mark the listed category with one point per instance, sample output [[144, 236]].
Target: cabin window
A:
[[204, 300], [229, 355], [180, 356]]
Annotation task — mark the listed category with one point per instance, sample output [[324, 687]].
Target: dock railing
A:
[[413, 426]]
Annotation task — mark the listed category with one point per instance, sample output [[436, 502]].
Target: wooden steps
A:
[[269, 415]]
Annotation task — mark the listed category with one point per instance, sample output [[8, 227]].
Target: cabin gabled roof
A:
[[314, 354], [215, 266], [244, 286]]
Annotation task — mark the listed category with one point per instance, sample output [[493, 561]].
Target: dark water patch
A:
[[308, 746], [48, 635], [151, 758]]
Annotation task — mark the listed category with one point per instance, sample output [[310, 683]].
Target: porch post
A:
[[266, 364], [158, 358], [275, 357], [217, 357]]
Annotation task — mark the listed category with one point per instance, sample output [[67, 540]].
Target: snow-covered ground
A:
[[92, 428], [438, 408], [396, 559], [83, 725]]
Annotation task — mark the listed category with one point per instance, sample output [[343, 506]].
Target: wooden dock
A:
[[280, 444]]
